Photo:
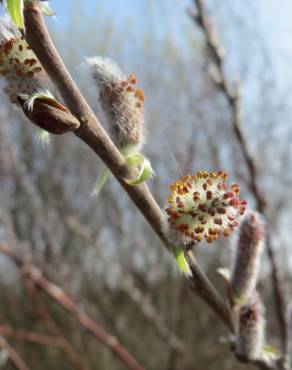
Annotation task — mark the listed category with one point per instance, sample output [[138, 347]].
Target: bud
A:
[[50, 115], [121, 101], [203, 206], [251, 330], [18, 64], [247, 259]]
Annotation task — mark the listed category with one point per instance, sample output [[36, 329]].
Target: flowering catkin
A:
[[247, 259], [251, 329], [203, 206], [121, 101], [18, 64]]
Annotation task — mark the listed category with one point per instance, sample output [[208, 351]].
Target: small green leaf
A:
[[105, 174], [46, 10], [240, 301], [182, 263], [146, 171], [14, 8], [272, 351]]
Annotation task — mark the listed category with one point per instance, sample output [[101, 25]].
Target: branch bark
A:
[[14, 357], [30, 336]]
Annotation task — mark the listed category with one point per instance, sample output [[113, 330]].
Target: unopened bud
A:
[[247, 259], [50, 115], [251, 330]]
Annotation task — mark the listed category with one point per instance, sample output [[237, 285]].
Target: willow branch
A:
[[30, 336], [61, 298], [92, 133], [150, 312], [233, 99], [14, 357], [50, 324], [56, 341]]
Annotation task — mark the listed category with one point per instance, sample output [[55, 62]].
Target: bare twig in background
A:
[[59, 296], [14, 357], [233, 98], [30, 336], [49, 322], [150, 312]]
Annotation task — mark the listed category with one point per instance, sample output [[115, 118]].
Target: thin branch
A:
[[90, 131], [30, 336], [233, 98], [150, 312], [60, 297], [57, 341], [51, 325], [14, 357]]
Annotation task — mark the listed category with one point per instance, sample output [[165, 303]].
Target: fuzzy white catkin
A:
[[104, 71], [247, 260], [251, 329], [121, 102]]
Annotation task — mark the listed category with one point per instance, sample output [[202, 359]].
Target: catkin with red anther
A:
[[121, 101], [203, 206], [19, 65]]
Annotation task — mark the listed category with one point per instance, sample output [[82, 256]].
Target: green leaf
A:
[[101, 181], [240, 301], [46, 10], [14, 8], [146, 171], [182, 263], [272, 351]]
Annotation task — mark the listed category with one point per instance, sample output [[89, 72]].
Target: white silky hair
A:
[[104, 70]]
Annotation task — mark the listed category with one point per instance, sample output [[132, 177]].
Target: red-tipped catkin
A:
[[251, 330], [247, 259], [121, 101], [202, 206], [18, 64]]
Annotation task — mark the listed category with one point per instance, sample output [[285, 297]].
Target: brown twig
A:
[[150, 312], [59, 296], [51, 325], [30, 336], [14, 357], [233, 98], [93, 134]]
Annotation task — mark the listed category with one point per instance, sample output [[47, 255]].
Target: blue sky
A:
[[270, 19]]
